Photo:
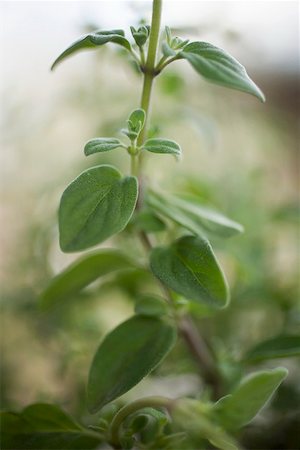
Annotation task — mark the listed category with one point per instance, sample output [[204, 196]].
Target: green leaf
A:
[[283, 346], [140, 35], [99, 145], [83, 272], [167, 50], [217, 66], [96, 205], [46, 417], [44, 427], [149, 222], [236, 410], [189, 267], [193, 216], [127, 354], [94, 40], [151, 305], [162, 146], [137, 120]]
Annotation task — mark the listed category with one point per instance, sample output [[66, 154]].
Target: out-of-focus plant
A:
[[177, 257]]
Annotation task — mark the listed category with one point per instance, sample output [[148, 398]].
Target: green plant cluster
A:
[[100, 203]]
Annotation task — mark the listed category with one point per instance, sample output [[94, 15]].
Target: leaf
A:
[[193, 216], [96, 205], [236, 410], [44, 427], [126, 355], [99, 145], [149, 222], [137, 120], [162, 146], [83, 272], [151, 305], [217, 66], [278, 347], [93, 40], [189, 267], [47, 417]]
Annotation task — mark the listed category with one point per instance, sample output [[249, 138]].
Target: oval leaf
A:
[[96, 205], [217, 66], [193, 216], [162, 146], [189, 267], [47, 417], [137, 119], [236, 410], [127, 354], [277, 347], [93, 40], [99, 145], [83, 272]]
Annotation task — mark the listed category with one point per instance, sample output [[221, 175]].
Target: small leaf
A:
[[140, 35], [99, 145], [127, 354], [162, 146], [150, 305], [193, 216], [217, 66], [278, 347], [96, 205], [93, 40], [236, 410], [137, 120], [167, 50], [83, 272], [189, 267]]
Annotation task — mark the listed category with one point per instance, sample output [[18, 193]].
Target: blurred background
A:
[[240, 156]]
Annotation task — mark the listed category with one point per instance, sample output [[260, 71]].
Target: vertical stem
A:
[[188, 330]]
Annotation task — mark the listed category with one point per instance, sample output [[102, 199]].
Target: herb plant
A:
[[102, 202]]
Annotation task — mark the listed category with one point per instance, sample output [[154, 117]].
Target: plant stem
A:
[[152, 402], [188, 330]]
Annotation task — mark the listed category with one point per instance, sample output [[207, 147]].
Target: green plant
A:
[[100, 203]]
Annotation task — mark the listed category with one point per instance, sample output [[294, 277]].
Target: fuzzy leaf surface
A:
[[95, 206], [83, 272], [100, 145], [156, 145], [126, 355], [193, 216], [217, 66], [190, 268], [236, 410], [92, 41], [277, 347]]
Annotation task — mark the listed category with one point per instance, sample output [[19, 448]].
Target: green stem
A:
[[187, 329], [127, 410], [149, 68]]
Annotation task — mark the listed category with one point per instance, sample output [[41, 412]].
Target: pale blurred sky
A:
[[34, 32]]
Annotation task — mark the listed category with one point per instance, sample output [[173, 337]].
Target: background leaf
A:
[[126, 355], [277, 347], [217, 66], [99, 145], [93, 40], [151, 305], [236, 410], [189, 267], [162, 146], [44, 427], [193, 216], [96, 205], [83, 272]]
